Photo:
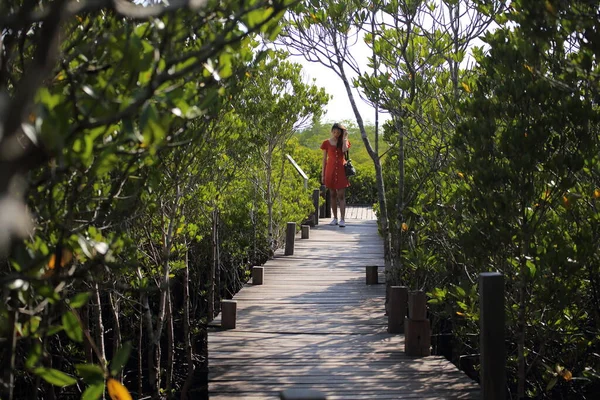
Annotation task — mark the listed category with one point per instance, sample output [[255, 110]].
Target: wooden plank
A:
[[314, 324]]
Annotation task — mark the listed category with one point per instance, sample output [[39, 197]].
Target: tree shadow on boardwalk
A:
[[316, 324]]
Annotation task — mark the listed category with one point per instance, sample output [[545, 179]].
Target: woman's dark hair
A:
[[342, 128]]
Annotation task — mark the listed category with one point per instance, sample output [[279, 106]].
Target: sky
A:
[[339, 108]]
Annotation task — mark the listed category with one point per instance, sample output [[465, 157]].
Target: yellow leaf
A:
[[460, 175], [566, 374], [550, 8], [597, 194], [460, 314], [466, 87], [404, 227], [546, 195], [117, 391], [529, 68]]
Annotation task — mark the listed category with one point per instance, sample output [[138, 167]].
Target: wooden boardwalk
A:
[[315, 324]]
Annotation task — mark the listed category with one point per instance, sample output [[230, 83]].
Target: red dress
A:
[[335, 176]]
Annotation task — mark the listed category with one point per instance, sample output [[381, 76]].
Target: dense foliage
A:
[[140, 155], [491, 168]]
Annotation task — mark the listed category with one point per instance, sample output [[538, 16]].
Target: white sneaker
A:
[[333, 222], [342, 223]]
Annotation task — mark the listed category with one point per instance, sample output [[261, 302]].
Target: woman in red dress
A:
[[333, 174]]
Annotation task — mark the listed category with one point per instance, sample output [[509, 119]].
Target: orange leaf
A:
[[66, 258], [404, 227], [117, 391], [460, 314], [567, 375]]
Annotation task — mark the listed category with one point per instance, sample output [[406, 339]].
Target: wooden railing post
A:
[[491, 319], [228, 314], [326, 207], [316, 195], [372, 277], [417, 329], [398, 306], [258, 274], [305, 231], [290, 235]]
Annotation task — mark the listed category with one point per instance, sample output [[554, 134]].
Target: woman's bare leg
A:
[[333, 199], [341, 201]]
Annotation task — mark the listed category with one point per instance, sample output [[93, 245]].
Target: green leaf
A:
[[55, 377], [120, 359], [150, 126], [256, 17], [30, 327], [106, 164], [225, 69], [34, 356], [72, 327], [79, 300], [551, 384], [49, 293], [53, 330], [93, 392], [532, 268], [92, 374], [50, 100]]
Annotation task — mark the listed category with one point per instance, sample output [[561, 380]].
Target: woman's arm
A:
[[345, 142], [323, 169]]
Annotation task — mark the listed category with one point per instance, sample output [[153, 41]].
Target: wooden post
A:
[[258, 274], [398, 306], [301, 394], [417, 305], [316, 195], [305, 231], [492, 347], [323, 208], [228, 314], [417, 329], [371, 272], [326, 207], [290, 235]]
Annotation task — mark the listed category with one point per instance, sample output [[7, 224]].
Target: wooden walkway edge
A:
[[315, 324]]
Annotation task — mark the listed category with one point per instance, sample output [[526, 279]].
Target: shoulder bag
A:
[[349, 168]]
